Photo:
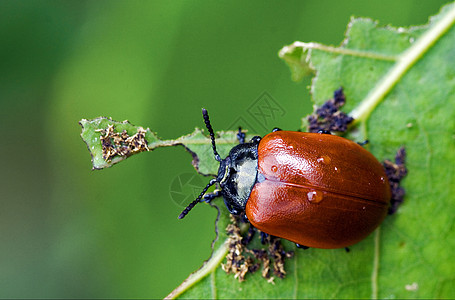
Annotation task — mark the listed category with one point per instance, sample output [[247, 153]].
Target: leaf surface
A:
[[400, 86], [196, 143], [413, 105]]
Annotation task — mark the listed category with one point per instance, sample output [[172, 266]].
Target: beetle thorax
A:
[[237, 175]]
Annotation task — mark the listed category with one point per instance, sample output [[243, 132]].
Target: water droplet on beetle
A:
[[315, 196], [382, 179], [274, 169], [324, 159]]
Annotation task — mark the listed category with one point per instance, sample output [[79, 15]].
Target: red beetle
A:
[[314, 189]]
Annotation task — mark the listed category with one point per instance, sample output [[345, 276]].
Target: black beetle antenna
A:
[[198, 199], [205, 114]]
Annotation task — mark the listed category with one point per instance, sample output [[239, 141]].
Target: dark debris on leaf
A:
[[395, 173], [328, 117]]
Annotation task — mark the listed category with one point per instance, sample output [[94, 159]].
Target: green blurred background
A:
[[69, 232]]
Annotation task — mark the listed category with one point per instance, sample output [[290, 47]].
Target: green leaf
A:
[[400, 87], [399, 84], [94, 130], [196, 143]]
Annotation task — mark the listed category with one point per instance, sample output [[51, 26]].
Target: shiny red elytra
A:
[[314, 189], [317, 190]]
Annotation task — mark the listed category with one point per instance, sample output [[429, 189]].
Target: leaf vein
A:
[[338, 50]]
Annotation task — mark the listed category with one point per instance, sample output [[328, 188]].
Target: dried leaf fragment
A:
[[120, 143], [240, 260]]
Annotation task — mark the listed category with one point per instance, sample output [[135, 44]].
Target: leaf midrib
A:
[[405, 62]]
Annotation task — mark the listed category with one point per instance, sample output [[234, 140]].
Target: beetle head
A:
[[236, 175]]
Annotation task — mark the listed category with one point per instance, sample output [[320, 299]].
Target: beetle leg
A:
[[210, 196], [251, 232], [363, 143], [255, 139], [301, 246], [241, 136], [263, 237], [347, 249], [276, 129], [245, 219], [230, 208]]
